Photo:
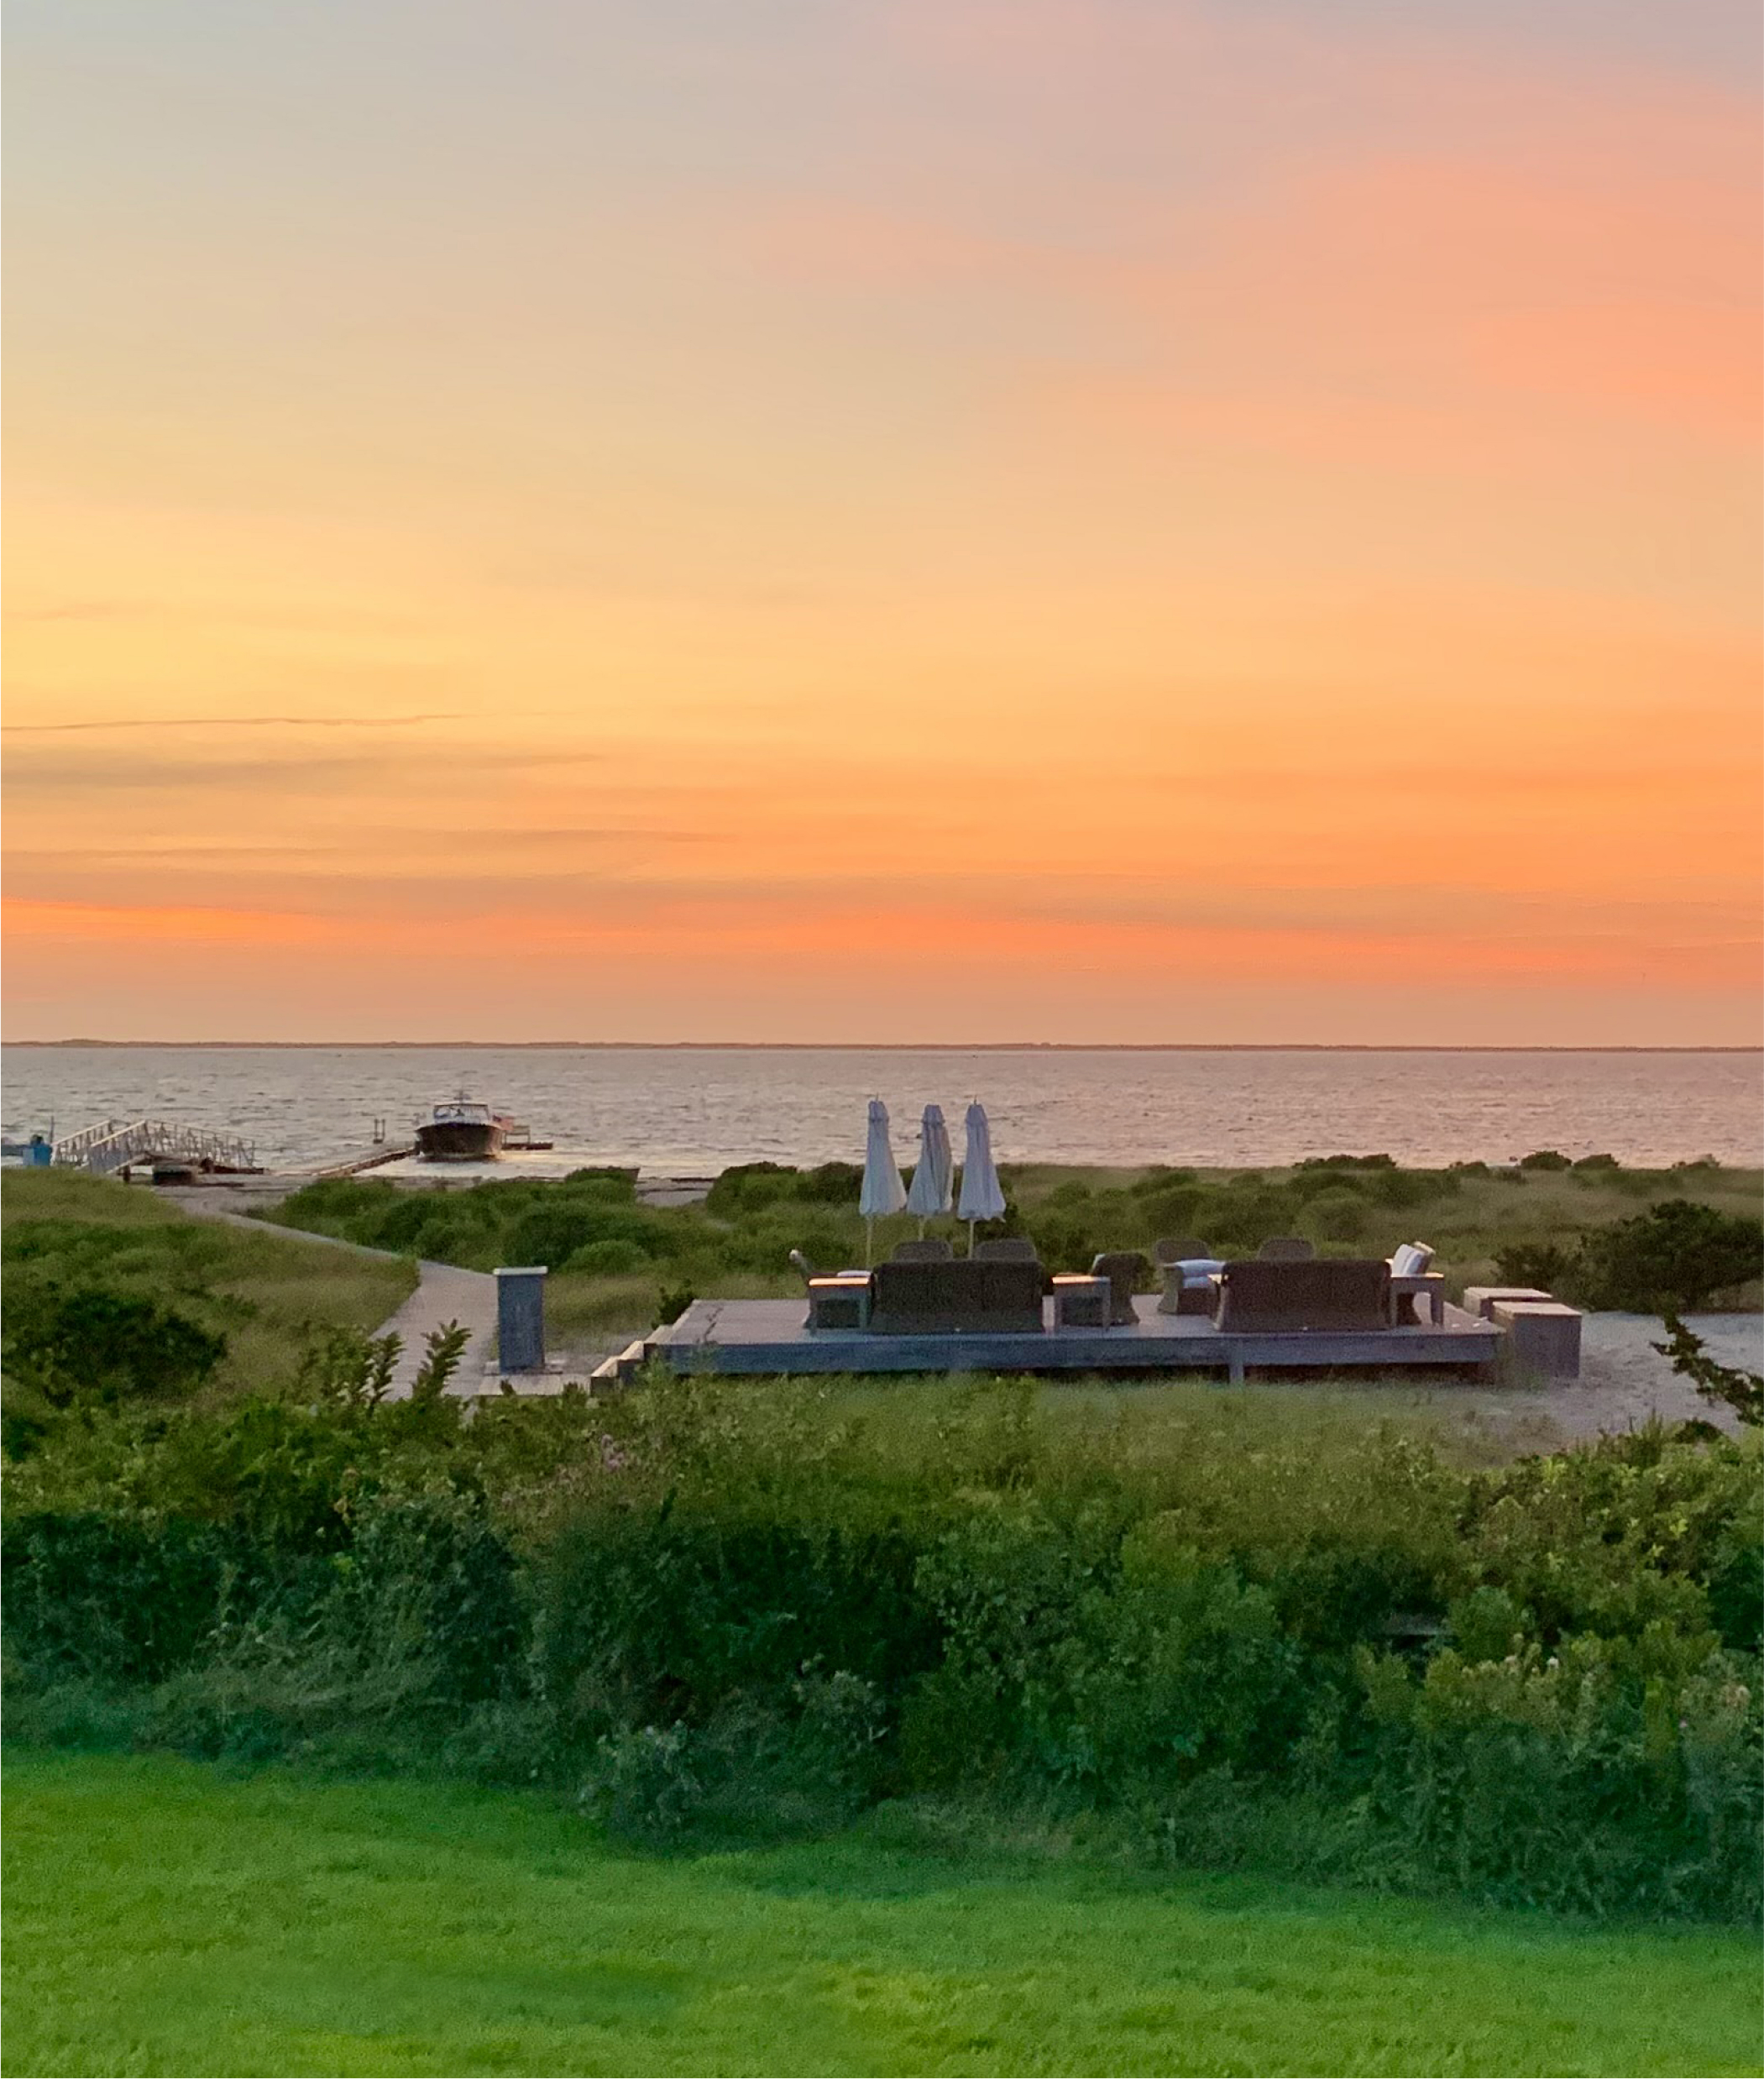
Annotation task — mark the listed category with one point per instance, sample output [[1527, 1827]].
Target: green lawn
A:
[[163, 1918]]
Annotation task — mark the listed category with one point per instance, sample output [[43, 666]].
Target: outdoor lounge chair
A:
[[1189, 1267], [1286, 1248], [1126, 1270], [966, 1296], [1006, 1248], [1417, 1291], [1275, 1298], [931, 1248]]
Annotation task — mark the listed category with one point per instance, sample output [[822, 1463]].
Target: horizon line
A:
[[881, 1046]]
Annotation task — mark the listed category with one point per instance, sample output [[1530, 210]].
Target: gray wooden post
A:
[[520, 1318]]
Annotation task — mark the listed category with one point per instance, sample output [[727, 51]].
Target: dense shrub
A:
[[1540, 1266], [95, 1344], [1340, 1214], [702, 1606], [1675, 1257]]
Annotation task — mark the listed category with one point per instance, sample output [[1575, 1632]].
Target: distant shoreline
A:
[[832, 1046]]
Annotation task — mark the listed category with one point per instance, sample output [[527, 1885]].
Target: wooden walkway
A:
[[769, 1337]]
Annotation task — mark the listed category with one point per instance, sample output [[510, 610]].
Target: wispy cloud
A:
[[232, 721]]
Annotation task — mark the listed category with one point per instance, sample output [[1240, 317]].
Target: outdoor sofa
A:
[[1258, 1297], [968, 1296]]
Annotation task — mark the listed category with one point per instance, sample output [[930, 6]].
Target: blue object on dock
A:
[[520, 1318], [40, 1155]]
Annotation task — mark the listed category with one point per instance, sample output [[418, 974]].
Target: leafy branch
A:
[[1743, 1391]]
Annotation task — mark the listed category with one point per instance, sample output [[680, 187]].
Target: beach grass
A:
[[263, 1290], [614, 1262], [1157, 1423], [165, 1917]]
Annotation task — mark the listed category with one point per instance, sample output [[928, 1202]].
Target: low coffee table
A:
[[1080, 1300], [841, 1302]]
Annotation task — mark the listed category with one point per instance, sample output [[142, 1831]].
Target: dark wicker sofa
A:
[[965, 1297], [1272, 1298]]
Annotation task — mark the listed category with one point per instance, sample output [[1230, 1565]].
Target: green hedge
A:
[[703, 1605]]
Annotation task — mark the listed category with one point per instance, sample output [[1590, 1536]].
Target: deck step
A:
[[621, 1369], [633, 1359]]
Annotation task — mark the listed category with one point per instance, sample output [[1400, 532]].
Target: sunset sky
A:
[[1136, 521]]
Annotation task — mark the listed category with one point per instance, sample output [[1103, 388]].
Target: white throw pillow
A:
[[1197, 1269], [1403, 1263], [1423, 1259]]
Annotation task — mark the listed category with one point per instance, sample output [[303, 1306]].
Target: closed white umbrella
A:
[[882, 1191], [928, 1193], [982, 1197]]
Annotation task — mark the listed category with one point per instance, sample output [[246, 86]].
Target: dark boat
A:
[[463, 1131]]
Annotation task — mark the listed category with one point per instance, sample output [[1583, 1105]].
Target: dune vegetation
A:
[[110, 1277], [617, 1264]]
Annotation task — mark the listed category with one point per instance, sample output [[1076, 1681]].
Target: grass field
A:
[[163, 1918], [258, 1288]]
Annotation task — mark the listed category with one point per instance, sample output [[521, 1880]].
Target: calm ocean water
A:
[[695, 1111]]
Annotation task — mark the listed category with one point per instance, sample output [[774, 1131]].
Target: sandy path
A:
[[1623, 1382], [444, 1293]]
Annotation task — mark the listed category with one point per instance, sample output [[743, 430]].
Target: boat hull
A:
[[460, 1140]]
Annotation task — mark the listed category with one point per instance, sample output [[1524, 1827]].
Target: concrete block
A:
[[520, 1318], [1481, 1299], [1543, 1336]]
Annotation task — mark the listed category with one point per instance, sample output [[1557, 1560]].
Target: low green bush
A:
[[1537, 1266], [717, 1608], [1675, 1257], [1340, 1214], [93, 1344]]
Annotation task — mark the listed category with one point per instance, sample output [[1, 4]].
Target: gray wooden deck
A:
[[769, 1335]]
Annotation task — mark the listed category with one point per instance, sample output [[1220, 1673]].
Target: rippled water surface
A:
[[684, 1111]]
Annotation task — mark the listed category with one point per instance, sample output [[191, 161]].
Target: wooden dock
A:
[[352, 1165], [771, 1337]]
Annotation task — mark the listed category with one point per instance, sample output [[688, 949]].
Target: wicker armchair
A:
[[1126, 1270]]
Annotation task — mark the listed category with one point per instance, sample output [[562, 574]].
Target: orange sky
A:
[[1111, 522]]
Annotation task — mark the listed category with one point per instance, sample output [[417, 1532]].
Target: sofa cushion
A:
[[1198, 1270]]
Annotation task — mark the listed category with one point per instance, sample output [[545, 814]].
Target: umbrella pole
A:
[[869, 1241], [970, 1238]]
